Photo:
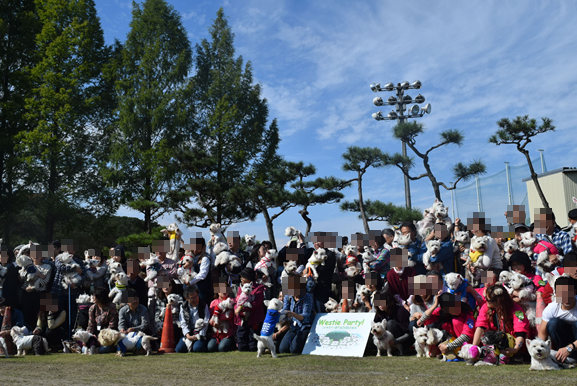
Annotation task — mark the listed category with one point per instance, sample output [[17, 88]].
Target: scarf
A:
[[264, 262]]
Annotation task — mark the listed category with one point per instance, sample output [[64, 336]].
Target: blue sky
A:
[[478, 62]]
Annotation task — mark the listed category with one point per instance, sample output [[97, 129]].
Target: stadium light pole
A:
[[400, 102]]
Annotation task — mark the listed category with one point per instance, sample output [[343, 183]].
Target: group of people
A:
[[410, 276]]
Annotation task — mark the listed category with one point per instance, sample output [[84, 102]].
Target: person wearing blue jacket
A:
[[418, 248]]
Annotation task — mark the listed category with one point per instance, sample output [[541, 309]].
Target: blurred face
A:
[[435, 283], [571, 269], [371, 280], [544, 222], [294, 286], [407, 230], [114, 255], [133, 268], [348, 290], [4, 257], [565, 294], [233, 242], [133, 302], [517, 267], [47, 303], [292, 254], [488, 278], [388, 239], [168, 289], [36, 254], [453, 307], [399, 258], [516, 214], [380, 302], [441, 231], [221, 288], [193, 299]]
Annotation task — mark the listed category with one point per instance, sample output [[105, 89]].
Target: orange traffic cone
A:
[[167, 343], [345, 307]]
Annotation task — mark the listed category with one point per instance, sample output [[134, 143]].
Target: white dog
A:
[[291, 232], [462, 239], [250, 242], [4, 347], [433, 248], [265, 341], [527, 243], [186, 271], [25, 342], [317, 259], [121, 285], [510, 247], [88, 340], [368, 258], [504, 277], [175, 236], [383, 339], [216, 235], [540, 352], [435, 337], [153, 266], [290, 268], [73, 277], [331, 305], [421, 335]]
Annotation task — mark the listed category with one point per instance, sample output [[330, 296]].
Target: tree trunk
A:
[[147, 209], [269, 228], [535, 179], [361, 204], [305, 215], [432, 178], [51, 196]]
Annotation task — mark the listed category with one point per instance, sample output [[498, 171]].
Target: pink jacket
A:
[[257, 312]]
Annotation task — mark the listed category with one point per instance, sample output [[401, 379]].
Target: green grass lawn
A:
[[245, 369]]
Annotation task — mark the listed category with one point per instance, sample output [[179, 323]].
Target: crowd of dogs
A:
[[426, 339]]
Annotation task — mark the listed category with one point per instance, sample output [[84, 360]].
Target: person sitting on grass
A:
[[101, 315], [193, 309], [133, 317], [454, 317], [397, 317], [299, 305], [559, 321], [501, 313]]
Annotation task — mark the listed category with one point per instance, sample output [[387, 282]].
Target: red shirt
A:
[[457, 326], [520, 321], [222, 318]]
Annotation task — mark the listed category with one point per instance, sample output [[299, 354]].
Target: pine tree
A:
[[152, 90], [231, 135], [65, 100], [18, 28], [519, 133], [408, 133], [359, 160]]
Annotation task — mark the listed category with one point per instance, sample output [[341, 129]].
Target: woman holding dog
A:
[[501, 313], [299, 305], [245, 329], [454, 317], [102, 314]]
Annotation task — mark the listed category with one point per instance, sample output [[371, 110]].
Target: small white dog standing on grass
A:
[[25, 342], [383, 339], [265, 341], [540, 352]]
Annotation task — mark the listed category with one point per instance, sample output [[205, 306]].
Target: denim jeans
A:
[[562, 333], [227, 344], [294, 341], [198, 346]]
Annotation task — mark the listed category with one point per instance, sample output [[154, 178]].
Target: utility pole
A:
[[400, 102]]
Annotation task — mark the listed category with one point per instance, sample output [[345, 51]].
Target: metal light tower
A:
[[400, 102]]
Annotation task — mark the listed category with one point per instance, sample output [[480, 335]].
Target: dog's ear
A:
[[414, 330], [528, 342], [548, 343]]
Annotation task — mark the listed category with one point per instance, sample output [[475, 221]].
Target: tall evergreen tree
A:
[[408, 133], [18, 28], [359, 160], [231, 135], [66, 96], [519, 132], [152, 92]]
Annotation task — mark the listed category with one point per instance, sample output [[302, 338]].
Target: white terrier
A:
[[25, 342], [88, 340], [510, 247], [383, 339], [433, 248], [540, 352], [250, 242], [368, 258], [272, 317], [421, 336]]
